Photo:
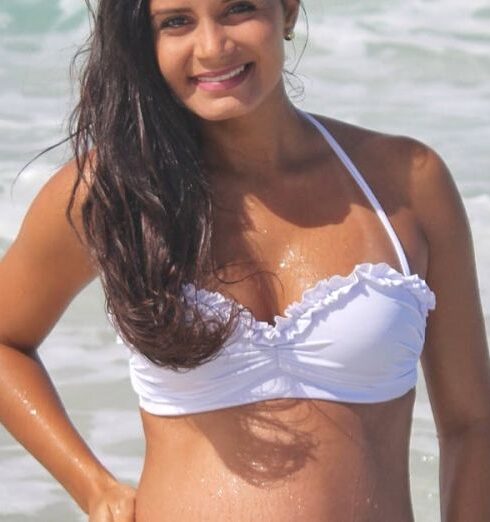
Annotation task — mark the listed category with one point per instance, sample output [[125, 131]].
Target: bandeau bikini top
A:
[[354, 338]]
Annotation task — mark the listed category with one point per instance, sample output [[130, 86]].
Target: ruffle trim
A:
[[297, 315]]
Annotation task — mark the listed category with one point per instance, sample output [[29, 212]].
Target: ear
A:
[[291, 12]]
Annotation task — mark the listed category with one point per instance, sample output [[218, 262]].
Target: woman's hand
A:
[[114, 504]]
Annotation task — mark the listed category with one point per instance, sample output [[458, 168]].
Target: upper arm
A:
[[46, 265], [455, 358]]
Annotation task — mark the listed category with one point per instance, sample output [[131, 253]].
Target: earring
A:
[[290, 35]]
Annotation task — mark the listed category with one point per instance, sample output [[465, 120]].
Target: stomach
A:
[[282, 460]]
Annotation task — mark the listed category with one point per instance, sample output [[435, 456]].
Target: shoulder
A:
[[46, 229], [414, 171], [403, 150], [54, 198]]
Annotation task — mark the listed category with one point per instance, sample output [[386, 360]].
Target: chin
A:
[[223, 111]]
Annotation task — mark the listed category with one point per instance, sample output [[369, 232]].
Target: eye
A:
[[172, 22], [247, 7], [175, 21]]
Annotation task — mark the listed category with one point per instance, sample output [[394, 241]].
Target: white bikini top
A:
[[354, 338]]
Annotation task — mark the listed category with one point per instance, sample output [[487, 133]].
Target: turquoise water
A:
[[417, 68]]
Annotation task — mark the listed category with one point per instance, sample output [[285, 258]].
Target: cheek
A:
[[171, 64], [270, 55], [265, 38]]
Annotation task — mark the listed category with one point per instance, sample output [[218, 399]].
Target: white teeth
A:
[[223, 77]]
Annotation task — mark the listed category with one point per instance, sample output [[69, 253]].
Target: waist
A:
[[302, 459]]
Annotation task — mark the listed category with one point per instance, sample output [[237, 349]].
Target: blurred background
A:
[[416, 68]]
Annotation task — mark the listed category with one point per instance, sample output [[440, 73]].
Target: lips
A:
[[221, 72]]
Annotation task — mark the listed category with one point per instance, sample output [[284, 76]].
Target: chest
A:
[[275, 241]]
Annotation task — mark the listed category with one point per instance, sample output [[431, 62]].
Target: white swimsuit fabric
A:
[[354, 338]]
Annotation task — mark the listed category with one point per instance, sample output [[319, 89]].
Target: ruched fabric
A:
[[352, 339]]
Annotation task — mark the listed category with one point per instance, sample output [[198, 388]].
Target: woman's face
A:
[[240, 43]]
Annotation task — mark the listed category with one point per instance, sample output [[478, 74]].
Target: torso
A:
[[280, 461], [294, 460]]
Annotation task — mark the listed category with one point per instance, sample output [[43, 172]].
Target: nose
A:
[[212, 40]]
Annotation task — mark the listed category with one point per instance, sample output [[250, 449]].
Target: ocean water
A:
[[417, 68]]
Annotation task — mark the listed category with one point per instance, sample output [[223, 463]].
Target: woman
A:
[[275, 300]]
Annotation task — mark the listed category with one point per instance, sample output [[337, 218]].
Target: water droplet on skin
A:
[[427, 458], [300, 506], [33, 411], [234, 486]]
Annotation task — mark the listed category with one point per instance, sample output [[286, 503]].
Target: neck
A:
[[260, 143]]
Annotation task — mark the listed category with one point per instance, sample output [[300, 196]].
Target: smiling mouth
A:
[[230, 74]]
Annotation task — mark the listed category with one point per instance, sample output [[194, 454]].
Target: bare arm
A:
[[455, 359], [40, 274]]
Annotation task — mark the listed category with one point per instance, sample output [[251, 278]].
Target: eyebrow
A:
[[169, 10]]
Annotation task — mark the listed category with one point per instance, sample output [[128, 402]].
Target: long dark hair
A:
[[147, 216]]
